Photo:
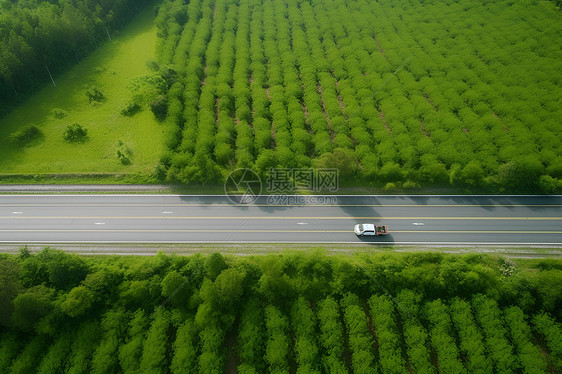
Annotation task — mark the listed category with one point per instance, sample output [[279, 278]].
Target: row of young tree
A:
[[39, 39], [309, 313], [397, 96]]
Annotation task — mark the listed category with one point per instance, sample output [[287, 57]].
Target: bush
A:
[[31, 306], [185, 349], [59, 113], [124, 153], [416, 338], [154, 358], [278, 342], [304, 327], [529, 354], [130, 109], [410, 185], [251, 337], [25, 135], [549, 185], [471, 341], [331, 336], [356, 321], [390, 187], [500, 350], [441, 334], [551, 332], [94, 95], [159, 106], [388, 335], [75, 133]]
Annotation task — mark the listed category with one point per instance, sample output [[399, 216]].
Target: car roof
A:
[[368, 227]]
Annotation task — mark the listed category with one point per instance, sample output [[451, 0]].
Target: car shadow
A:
[[388, 238]]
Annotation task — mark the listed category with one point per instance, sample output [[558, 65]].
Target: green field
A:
[[280, 313], [111, 68]]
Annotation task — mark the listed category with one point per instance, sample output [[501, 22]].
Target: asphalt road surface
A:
[[517, 220]]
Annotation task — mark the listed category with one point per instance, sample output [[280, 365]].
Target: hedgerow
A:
[[490, 319], [471, 341]]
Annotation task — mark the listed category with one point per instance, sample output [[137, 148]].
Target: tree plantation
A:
[[413, 93], [282, 313]]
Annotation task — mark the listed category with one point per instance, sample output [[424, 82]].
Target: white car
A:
[[368, 229]]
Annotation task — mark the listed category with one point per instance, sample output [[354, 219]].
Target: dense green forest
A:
[[291, 312], [406, 93], [39, 39]]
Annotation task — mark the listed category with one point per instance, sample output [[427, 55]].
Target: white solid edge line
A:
[[226, 196], [275, 242]]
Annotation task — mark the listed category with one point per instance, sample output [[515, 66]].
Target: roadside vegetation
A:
[[288, 312]]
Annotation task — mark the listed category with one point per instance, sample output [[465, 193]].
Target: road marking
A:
[[17, 212], [224, 196], [302, 223], [357, 242], [418, 224], [99, 223], [289, 231], [284, 218], [166, 212], [290, 205]]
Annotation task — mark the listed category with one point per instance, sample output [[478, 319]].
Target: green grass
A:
[[110, 68]]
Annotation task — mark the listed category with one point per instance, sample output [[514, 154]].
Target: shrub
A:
[[415, 336], [59, 113], [551, 332], [159, 106], [441, 337], [549, 185], [130, 109], [529, 354], [154, 358], [389, 187], [94, 95], [124, 153], [185, 349], [25, 135], [489, 317], [471, 341], [304, 328], [251, 337], [388, 335], [331, 336], [410, 185], [362, 358], [278, 342], [75, 133]]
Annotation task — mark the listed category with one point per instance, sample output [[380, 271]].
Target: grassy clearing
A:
[[111, 69]]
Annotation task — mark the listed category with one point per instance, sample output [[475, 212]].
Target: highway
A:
[[517, 220]]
